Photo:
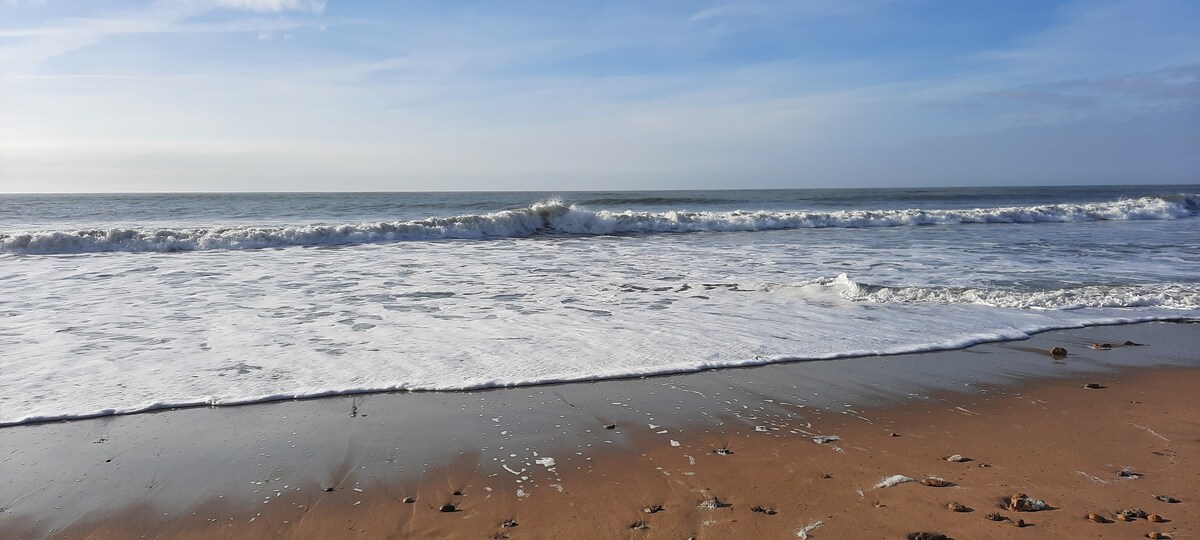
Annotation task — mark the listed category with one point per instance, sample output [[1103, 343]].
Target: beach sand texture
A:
[[783, 451]]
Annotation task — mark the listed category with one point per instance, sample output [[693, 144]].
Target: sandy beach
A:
[[779, 451]]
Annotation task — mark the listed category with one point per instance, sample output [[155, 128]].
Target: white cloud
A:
[[275, 6]]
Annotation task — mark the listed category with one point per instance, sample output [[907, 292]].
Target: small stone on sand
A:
[[956, 507], [996, 517], [934, 481], [761, 510], [894, 434], [448, 507], [328, 489], [1130, 343], [1155, 518], [1093, 386], [1020, 502], [710, 503], [1102, 346], [408, 500], [653, 509], [1157, 535], [926, 536], [1166, 499], [639, 526], [1129, 473], [1097, 518], [610, 426], [958, 458], [723, 452], [1019, 523], [1058, 351], [509, 523]]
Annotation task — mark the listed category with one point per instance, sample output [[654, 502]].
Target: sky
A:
[[334, 95]]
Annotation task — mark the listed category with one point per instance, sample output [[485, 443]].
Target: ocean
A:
[[132, 302]]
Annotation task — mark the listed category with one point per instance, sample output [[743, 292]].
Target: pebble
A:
[[1058, 351], [1020, 502], [956, 507], [639, 526], [710, 503], [926, 536], [1155, 518], [935, 482], [1102, 346], [328, 489], [653, 509], [723, 451], [957, 458], [448, 507], [610, 426], [1157, 535], [408, 500], [996, 517], [509, 523], [1097, 518], [761, 510], [1020, 523], [1166, 499], [1092, 386]]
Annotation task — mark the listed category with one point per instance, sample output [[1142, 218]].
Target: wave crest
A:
[[555, 217]]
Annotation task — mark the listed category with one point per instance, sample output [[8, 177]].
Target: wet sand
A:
[[342, 467]]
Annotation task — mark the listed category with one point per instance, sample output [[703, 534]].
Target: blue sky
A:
[[327, 95]]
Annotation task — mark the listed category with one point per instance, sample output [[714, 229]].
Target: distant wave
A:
[[555, 217], [1166, 295]]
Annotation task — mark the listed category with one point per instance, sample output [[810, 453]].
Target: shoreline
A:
[[104, 478], [748, 364]]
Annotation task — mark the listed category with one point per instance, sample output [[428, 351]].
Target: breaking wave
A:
[[555, 217], [1167, 295]]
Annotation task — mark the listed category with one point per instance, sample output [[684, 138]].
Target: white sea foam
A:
[[554, 217], [88, 335]]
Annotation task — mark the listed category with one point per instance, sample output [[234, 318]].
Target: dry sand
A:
[[247, 472]]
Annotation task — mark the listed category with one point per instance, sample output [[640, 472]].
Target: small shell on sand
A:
[[408, 500], [1155, 518], [1157, 535], [934, 481], [448, 507], [711, 503], [639, 526], [995, 517], [1093, 386], [956, 507], [509, 523], [1102, 346], [1097, 518], [1166, 499], [1058, 351], [653, 509], [1020, 523], [957, 458], [723, 452]]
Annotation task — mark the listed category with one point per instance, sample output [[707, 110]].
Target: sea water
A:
[[130, 302]]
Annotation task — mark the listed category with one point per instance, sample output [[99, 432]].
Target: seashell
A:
[[509, 523], [448, 507], [995, 517], [653, 509], [1097, 518], [408, 500], [935, 482], [1058, 351], [1102, 346], [956, 507], [1166, 499], [1092, 386], [1156, 535], [958, 458], [1155, 518]]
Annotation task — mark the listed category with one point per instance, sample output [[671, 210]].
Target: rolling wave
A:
[[1164, 295], [555, 217]]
